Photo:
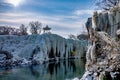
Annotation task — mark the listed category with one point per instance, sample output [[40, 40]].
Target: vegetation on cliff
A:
[[103, 53]]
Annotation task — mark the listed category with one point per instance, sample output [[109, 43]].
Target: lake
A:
[[63, 70]]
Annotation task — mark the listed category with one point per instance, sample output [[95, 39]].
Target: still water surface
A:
[[63, 70]]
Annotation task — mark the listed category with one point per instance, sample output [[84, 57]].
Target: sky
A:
[[65, 17]]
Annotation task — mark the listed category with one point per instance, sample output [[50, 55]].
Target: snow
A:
[[106, 21], [88, 76], [42, 47], [106, 31]]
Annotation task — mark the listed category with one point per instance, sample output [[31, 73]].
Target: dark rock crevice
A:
[[7, 54]]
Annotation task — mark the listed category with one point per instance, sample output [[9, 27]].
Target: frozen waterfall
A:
[[43, 47]]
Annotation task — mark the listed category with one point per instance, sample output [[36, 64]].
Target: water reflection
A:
[[62, 70]]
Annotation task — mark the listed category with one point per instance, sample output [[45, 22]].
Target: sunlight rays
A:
[[15, 3]]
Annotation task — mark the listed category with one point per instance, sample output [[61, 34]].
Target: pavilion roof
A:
[[46, 28]]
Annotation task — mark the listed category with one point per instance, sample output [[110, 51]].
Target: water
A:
[[63, 70]]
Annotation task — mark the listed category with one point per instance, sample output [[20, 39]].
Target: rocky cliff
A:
[[103, 55], [35, 49]]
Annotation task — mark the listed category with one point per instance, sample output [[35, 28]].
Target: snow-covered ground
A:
[[42, 47]]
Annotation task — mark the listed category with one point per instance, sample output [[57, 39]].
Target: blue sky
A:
[[63, 16]]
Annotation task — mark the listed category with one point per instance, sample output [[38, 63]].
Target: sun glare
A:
[[14, 2]]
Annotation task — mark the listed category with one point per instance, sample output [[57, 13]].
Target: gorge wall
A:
[[35, 49], [103, 55]]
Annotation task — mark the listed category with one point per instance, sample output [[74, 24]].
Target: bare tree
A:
[[107, 4], [4, 30], [23, 29], [35, 27]]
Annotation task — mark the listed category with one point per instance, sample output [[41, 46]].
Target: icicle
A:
[[94, 20], [38, 47]]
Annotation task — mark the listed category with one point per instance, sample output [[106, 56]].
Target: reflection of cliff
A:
[[103, 54], [55, 71], [63, 70]]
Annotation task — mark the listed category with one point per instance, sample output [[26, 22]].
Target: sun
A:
[[14, 2]]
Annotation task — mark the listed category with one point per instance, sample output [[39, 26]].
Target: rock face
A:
[[41, 48], [103, 53], [7, 54]]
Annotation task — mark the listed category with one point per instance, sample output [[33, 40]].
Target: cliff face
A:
[[39, 48], [103, 53]]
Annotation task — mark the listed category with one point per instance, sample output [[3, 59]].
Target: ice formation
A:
[[107, 21], [104, 42], [42, 48]]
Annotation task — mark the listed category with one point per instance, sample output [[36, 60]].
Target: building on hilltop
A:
[[46, 29]]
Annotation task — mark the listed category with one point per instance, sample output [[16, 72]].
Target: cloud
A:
[[26, 17], [60, 24], [83, 12], [63, 16]]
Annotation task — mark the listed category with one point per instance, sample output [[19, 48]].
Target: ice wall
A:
[[42, 47], [107, 21], [104, 42]]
